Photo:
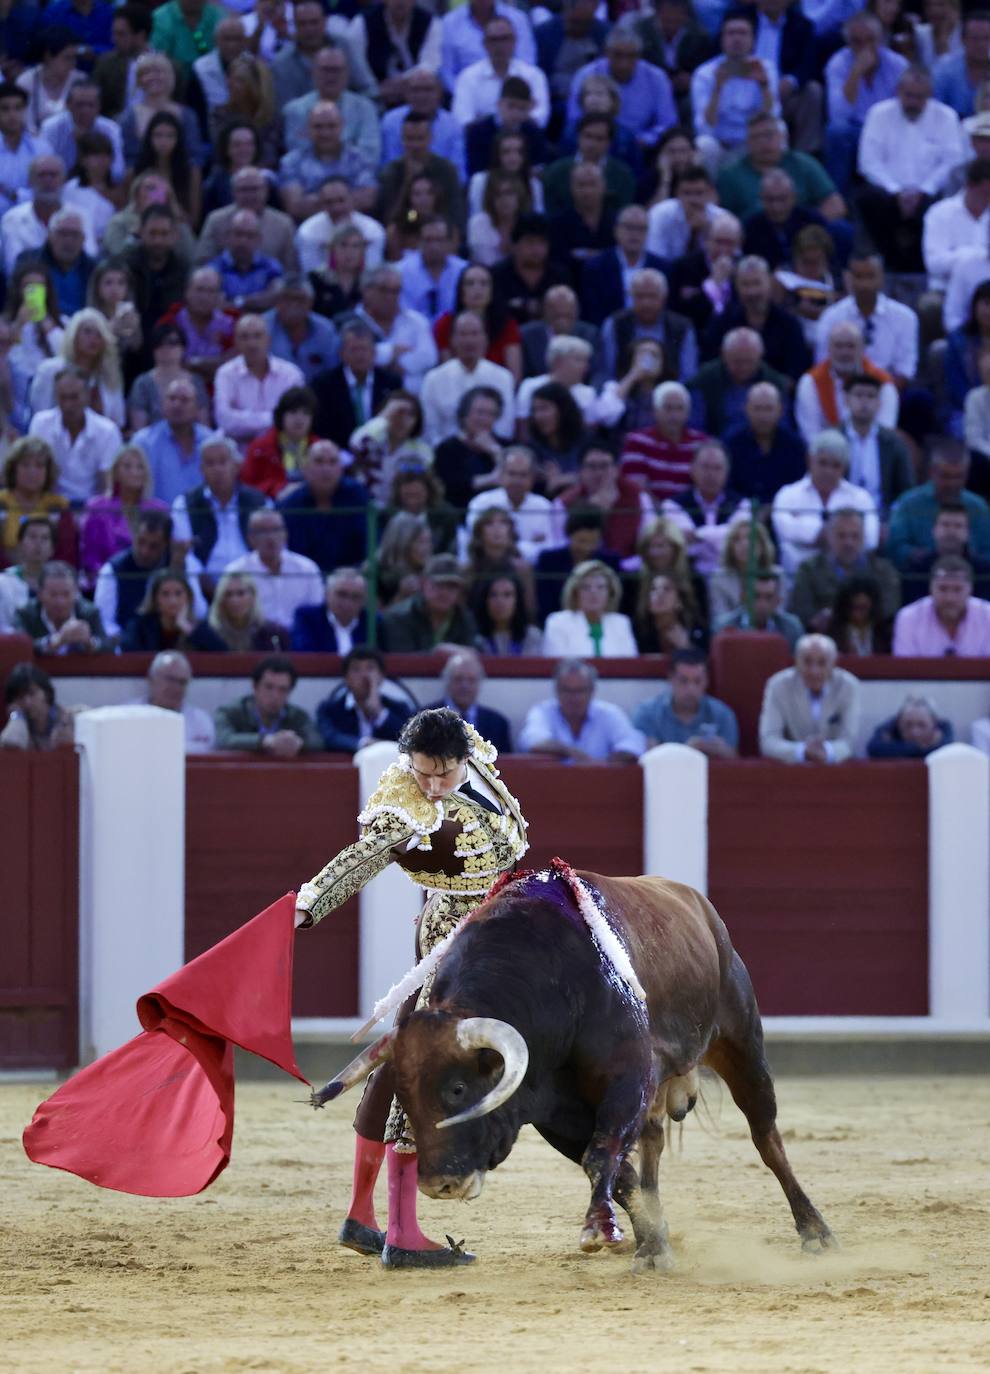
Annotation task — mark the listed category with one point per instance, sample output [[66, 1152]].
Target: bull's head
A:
[[453, 1074]]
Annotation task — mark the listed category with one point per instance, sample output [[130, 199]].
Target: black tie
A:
[[476, 796]]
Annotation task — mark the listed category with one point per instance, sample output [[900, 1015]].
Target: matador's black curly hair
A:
[[439, 734]]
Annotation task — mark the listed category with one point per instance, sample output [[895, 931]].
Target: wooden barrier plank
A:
[[821, 875]]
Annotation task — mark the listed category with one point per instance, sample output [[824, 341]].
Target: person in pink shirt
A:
[[248, 388], [949, 621]]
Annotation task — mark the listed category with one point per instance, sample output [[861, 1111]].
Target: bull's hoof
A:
[[650, 1260], [600, 1237], [365, 1240], [395, 1258]]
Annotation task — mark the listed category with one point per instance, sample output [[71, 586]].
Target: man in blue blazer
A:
[[462, 679], [605, 279], [337, 625], [356, 712]]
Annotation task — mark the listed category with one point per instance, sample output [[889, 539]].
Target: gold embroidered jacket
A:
[[452, 846]]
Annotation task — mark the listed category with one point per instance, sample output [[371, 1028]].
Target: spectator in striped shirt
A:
[[659, 459]]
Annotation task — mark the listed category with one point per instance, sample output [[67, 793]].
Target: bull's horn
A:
[[356, 1071], [485, 1033]]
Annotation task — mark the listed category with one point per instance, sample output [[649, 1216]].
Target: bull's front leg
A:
[[618, 1123]]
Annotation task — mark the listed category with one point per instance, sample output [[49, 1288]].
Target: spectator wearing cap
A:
[[348, 395], [463, 677], [594, 139], [168, 684], [729, 89], [340, 622], [646, 97], [801, 509], [909, 148], [285, 580], [433, 618], [468, 368], [857, 77], [357, 712], [265, 721], [958, 227], [950, 621], [325, 512], [479, 86], [810, 712], [910, 537], [213, 518], [574, 727], [913, 733], [685, 714], [298, 334], [249, 278]]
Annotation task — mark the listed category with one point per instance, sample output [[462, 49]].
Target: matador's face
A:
[[437, 778]]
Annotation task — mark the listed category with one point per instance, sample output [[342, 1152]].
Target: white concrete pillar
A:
[[132, 811], [675, 814], [959, 884], [388, 905]]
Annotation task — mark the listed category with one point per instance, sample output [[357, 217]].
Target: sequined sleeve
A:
[[352, 868]]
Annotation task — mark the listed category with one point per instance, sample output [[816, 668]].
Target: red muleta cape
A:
[[156, 1116]]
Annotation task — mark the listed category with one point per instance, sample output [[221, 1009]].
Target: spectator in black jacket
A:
[[784, 346], [356, 711], [915, 731], [339, 623], [434, 617], [584, 530], [166, 619], [463, 676]]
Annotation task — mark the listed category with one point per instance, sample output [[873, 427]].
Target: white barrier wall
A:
[[675, 814], [131, 865]]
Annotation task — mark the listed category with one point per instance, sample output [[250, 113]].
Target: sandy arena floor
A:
[[246, 1277]]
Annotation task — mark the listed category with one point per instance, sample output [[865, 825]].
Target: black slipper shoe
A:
[[395, 1258], [364, 1239]]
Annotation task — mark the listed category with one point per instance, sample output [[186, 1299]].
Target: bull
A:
[[528, 1021]]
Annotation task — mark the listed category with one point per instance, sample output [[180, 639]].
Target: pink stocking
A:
[[403, 1228], [368, 1156]]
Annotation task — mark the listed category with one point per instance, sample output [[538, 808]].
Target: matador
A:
[[443, 814]]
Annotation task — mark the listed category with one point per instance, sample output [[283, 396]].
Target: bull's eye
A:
[[453, 1092]]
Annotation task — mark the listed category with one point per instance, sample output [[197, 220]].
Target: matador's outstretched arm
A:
[[352, 868]]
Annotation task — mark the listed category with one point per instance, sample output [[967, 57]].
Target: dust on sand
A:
[[247, 1276]]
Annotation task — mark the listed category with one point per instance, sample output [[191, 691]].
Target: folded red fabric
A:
[[156, 1116]]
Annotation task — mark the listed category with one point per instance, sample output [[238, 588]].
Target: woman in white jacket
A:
[[589, 625]]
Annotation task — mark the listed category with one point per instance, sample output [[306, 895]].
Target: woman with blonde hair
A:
[[405, 549], [236, 616], [748, 544], [250, 100], [590, 625], [147, 188], [90, 345], [155, 77], [661, 549], [110, 521]]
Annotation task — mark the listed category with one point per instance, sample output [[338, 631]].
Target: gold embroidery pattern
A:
[[352, 868]]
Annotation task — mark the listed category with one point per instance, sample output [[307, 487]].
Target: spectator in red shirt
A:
[[275, 457], [660, 458]]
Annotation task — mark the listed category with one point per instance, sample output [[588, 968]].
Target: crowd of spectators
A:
[[578, 329]]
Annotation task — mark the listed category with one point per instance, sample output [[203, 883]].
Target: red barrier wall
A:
[[39, 914], [256, 829], [593, 817], [821, 875]]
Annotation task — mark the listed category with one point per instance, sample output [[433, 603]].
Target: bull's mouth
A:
[[446, 1188]]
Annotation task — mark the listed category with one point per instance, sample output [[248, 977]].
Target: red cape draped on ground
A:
[[156, 1117]]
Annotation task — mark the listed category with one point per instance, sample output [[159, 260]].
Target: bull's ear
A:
[[489, 1063]]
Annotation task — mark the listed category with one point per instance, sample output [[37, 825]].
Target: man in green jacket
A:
[[263, 722]]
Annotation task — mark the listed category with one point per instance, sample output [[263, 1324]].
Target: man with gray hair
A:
[[646, 318], [349, 394], [568, 360], [751, 306], [721, 386], [607, 277], [463, 675], [168, 683], [659, 459], [249, 187], [404, 341], [820, 401], [574, 727], [24, 227], [810, 712], [212, 519], [532, 515], [298, 334], [801, 508], [63, 254], [340, 623]]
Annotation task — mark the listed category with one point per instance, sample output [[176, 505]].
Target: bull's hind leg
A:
[[738, 1057], [640, 1196]]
